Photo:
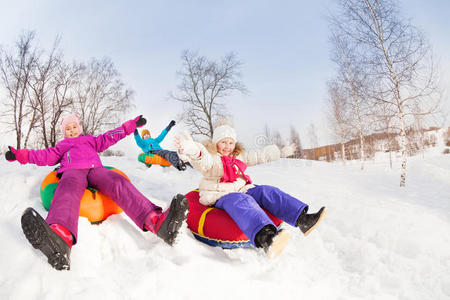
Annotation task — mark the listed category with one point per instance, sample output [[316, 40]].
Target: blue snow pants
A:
[[171, 156], [246, 209]]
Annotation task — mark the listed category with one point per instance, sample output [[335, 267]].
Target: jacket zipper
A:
[[68, 156]]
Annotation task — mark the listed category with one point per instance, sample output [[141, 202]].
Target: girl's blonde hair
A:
[[238, 149], [212, 148]]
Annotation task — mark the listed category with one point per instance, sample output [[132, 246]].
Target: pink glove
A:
[[131, 125], [21, 155]]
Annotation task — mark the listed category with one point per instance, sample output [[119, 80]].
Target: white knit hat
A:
[[224, 130]]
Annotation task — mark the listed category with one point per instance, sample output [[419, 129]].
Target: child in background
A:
[[80, 167], [223, 161], [151, 146]]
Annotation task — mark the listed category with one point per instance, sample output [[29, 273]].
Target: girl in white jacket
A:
[[223, 162]]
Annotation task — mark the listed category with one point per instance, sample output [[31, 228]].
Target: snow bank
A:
[[378, 241]]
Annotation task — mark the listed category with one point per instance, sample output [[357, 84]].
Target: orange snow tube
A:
[[94, 205], [153, 159]]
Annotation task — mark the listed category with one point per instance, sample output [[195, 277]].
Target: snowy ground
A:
[[378, 241]]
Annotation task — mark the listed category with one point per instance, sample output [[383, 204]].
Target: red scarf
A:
[[231, 168]]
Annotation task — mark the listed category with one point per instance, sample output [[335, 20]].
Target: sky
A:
[[283, 46]]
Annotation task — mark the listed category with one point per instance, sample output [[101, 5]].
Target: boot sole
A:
[[322, 215], [37, 233], [177, 214], [278, 244]]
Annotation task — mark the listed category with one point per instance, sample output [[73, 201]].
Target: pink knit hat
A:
[[73, 118]]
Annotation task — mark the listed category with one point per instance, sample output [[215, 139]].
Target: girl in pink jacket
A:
[[80, 167]]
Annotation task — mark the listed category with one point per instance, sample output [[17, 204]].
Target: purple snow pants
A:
[[65, 207], [246, 211]]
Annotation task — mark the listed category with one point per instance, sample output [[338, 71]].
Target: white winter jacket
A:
[[209, 163]]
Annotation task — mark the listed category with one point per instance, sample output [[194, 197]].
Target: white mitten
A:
[[187, 146]]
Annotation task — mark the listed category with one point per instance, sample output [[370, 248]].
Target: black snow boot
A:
[[271, 240], [181, 166], [307, 222], [42, 237], [175, 217]]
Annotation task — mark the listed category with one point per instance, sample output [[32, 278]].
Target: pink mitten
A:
[[21, 155], [131, 125]]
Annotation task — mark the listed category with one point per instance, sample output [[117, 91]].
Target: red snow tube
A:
[[213, 226]]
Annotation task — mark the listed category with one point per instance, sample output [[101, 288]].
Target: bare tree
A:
[[64, 80], [313, 137], [420, 133], [51, 89], [42, 85], [352, 77], [277, 139], [16, 70], [204, 85], [385, 117], [268, 138], [39, 89], [396, 57], [295, 138], [100, 97], [338, 115]]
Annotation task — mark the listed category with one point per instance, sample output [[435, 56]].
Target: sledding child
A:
[[223, 161], [151, 146], [80, 167]]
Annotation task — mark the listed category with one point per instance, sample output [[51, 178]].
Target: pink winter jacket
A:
[[77, 153]]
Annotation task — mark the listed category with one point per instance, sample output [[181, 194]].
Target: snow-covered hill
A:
[[378, 241]]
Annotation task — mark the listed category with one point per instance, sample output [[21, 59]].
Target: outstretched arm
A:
[[163, 133], [193, 152], [111, 137], [267, 154], [260, 156], [161, 136], [46, 157]]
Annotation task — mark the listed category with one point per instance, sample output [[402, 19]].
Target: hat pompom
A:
[[221, 122]]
